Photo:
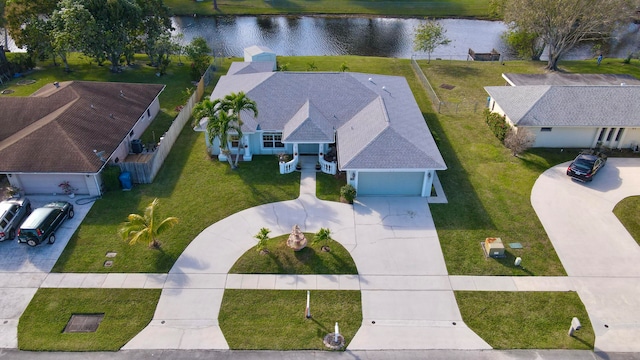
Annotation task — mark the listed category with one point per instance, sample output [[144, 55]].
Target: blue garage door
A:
[[390, 183]]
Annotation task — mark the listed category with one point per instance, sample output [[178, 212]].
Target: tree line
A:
[[104, 30]]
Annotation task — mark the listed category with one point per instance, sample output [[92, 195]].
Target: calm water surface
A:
[[387, 37]]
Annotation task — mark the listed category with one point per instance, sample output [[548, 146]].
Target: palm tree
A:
[[145, 227], [236, 103], [219, 126]]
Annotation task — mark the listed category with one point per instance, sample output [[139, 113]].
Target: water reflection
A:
[[305, 35], [386, 37]]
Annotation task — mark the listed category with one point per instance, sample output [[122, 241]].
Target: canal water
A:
[[386, 37]]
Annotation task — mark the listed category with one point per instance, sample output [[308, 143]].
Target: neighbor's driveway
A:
[[597, 252]]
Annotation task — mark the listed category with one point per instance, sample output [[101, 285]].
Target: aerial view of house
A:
[[69, 131], [366, 125], [571, 110]]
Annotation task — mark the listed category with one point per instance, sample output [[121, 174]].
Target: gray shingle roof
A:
[[308, 125], [388, 119], [555, 78], [238, 68], [544, 105]]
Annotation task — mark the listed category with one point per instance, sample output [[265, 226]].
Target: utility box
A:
[[493, 247]]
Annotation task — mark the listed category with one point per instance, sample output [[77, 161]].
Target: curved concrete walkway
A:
[[402, 275], [599, 255]]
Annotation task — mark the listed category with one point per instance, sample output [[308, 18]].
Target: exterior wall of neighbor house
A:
[[561, 137], [631, 138], [141, 125], [37, 183]]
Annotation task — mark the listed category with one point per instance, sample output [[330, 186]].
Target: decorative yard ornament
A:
[[297, 241]]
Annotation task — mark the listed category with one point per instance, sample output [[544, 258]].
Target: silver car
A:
[[12, 212]]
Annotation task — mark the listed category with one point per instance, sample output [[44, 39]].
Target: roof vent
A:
[[121, 93], [623, 84], [111, 116], [56, 84], [93, 107], [371, 80]]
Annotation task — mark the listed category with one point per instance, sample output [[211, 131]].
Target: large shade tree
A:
[[146, 227], [564, 23], [429, 35]]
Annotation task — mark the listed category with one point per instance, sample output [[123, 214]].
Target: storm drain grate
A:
[[83, 323]]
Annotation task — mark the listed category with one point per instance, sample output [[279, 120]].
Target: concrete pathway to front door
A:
[[407, 299]]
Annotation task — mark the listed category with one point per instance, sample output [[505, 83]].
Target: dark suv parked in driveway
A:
[[43, 222], [12, 212]]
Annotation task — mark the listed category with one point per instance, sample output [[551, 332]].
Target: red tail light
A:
[[1, 234], [18, 232], [39, 232]]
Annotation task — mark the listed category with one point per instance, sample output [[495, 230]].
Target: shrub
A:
[[348, 193], [263, 237], [323, 234], [497, 124]]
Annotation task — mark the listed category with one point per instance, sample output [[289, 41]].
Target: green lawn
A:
[[526, 320], [281, 259], [126, 312], [275, 320], [627, 212], [488, 189], [411, 8]]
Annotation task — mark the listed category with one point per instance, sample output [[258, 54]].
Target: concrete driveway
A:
[[597, 252], [24, 268]]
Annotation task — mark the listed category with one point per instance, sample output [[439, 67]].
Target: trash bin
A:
[[125, 180], [136, 146]]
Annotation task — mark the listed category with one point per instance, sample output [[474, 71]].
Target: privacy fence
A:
[[145, 172]]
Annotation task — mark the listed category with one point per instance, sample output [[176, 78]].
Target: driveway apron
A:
[[599, 255]]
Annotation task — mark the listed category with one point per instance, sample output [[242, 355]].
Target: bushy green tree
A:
[[198, 52], [564, 23], [526, 45]]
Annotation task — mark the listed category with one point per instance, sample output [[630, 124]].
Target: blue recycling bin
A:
[[125, 180]]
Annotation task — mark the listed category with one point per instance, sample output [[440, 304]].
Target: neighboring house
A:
[[366, 125], [571, 110], [69, 131]]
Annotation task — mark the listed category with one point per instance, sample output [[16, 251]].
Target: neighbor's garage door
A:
[[390, 183], [48, 184]]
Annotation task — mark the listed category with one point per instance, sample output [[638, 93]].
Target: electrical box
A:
[[494, 247]]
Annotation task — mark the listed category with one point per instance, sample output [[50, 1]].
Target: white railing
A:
[[288, 167], [327, 167]]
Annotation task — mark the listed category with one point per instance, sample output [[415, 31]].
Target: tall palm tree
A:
[[219, 126], [236, 103], [145, 227]]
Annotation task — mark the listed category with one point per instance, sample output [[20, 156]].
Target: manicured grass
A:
[[488, 189], [411, 8], [627, 212], [526, 320], [275, 320], [328, 186], [126, 312], [281, 259], [191, 186]]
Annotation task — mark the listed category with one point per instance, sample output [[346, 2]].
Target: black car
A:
[[43, 222], [585, 166]]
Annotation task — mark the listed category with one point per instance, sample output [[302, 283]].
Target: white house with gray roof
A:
[[366, 125], [572, 116]]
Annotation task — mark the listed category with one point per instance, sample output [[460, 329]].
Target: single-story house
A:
[[366, 125], [571, 110], [70, 131]]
